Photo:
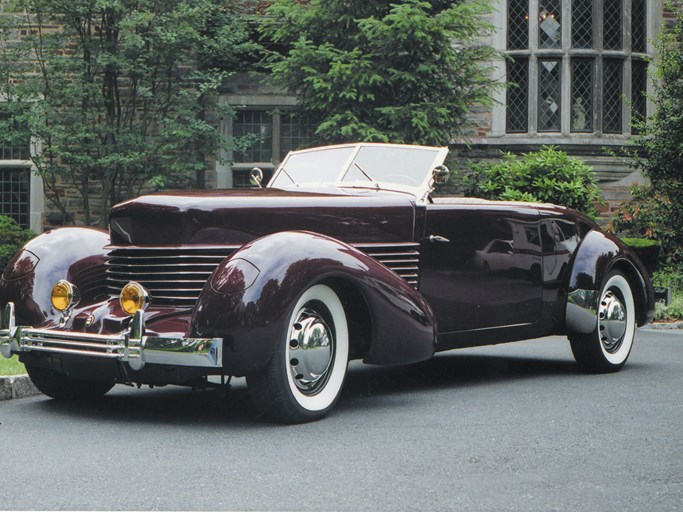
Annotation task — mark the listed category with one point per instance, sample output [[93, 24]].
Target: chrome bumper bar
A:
[[133, 346]]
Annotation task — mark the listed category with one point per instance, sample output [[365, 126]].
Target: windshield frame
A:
[[420, 190]]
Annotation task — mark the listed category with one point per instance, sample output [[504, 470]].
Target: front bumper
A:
[[132, 346]]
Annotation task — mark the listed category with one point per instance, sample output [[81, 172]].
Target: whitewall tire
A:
[[607, 348], [305, 376]]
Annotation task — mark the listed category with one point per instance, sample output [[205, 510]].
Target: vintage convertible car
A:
[[344, 255]]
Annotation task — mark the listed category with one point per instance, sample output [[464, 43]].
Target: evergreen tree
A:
[[382, 70]]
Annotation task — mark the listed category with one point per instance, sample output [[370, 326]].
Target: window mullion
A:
[[626, 69], [598, 43], [533, 67], [533, 94], [597, 83], [277, 117], [566, 85], [533, 26], [626, 23], [597, 95], [565, 95], [626, 91]]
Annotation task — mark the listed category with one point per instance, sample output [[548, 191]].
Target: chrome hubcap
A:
[[611, 322], [311, 351]]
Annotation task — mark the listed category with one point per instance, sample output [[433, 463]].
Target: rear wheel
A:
[[607, 348], [304, 378], [62, 387]]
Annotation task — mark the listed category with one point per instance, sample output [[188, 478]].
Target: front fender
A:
[[74, 254], [597, 255], [248, 299]]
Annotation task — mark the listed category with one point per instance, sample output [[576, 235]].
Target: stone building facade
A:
[[580, 75], [580, 69]]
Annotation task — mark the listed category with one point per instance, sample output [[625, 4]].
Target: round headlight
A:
[[133, 297], [64, 295]]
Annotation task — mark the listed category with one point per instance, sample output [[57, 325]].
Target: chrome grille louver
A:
[[402, 258], [175, 276]]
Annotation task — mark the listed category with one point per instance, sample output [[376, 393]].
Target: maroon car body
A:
[[285, 284]]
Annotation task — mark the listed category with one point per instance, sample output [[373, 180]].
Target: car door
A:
[[481, 265]]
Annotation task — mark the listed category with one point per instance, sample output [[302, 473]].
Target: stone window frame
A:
[[276, 105], [499, 19], [36, 194]]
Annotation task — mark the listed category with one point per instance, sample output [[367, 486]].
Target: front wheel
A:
[[62, 387], [607, 348], [304, 377]]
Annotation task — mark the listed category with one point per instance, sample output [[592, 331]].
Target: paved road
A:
[[498, 428]]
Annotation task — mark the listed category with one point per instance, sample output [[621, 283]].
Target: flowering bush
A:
[[649, 214]]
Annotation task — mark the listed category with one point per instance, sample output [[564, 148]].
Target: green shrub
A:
[[672, 278], [647, 250], [672, 312], [12, 237], [547, 176], [648, 214]]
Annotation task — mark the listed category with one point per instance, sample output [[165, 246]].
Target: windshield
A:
[[366, 165], [313, 167]]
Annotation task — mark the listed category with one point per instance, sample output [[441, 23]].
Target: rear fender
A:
[[248, 299], [74, 254], [598, 254]]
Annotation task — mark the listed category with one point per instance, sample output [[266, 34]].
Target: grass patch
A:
[[11, 366]]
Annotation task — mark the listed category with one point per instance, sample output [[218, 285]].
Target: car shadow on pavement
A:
[[452, 370], [169, 405], [175, 405]]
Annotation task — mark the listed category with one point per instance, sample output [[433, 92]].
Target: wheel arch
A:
[[358, 317], [638, 288], [599, 254], [389, 321], [76, 254]]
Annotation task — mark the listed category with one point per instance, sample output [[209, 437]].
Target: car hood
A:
[[239, 216]]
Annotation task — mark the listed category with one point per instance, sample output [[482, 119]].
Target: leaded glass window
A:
[[612, 27], [638, 93], [595, 56], [263, 137], [638, 26], [12, 146], [582, 95], [253, 130], [518, 24], [550, 29], [14, 194], [294, 132], [517, 96], [612, 96], [549, 99], [582, 24]]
